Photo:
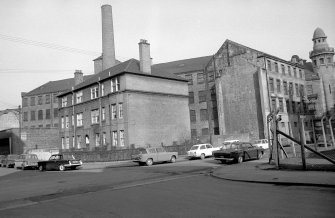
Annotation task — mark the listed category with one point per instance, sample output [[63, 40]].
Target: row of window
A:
[[41, 115], [42, 126], [116, 140], [204, 132], [95, 92], [200, 77], [322, 61], [299, 88], [39, 100], [294, 108], [116, 112], [202, 95], [275, 67]]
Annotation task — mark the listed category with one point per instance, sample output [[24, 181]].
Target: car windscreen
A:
[[140, 151], [194, 147]]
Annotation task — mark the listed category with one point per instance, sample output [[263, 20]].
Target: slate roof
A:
[[183, 66], [54, 86], [131, 66]]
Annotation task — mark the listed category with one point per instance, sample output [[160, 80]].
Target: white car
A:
[[262, 143], [202, 151]]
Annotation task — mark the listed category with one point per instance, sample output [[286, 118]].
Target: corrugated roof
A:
[[182, 66], [129, 66], [54, 86]]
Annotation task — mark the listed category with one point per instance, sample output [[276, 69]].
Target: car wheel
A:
[[260, 155], [61, 167], [240, 159], [41, 168], [149, 162], [222, 161], [173, 159], [202, 156]]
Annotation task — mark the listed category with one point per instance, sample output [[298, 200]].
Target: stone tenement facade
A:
[[128, 105]]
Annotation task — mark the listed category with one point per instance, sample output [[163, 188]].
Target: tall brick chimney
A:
[[145, 59], [108, 48], [78, 77]]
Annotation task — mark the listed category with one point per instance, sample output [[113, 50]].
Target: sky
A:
[[47, 40]]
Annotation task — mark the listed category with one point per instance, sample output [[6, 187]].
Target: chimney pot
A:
[[78, 77]]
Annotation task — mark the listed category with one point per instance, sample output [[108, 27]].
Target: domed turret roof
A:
[[318, 33]]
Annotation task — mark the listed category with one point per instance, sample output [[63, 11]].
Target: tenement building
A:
[[250, 84], [127, 105]]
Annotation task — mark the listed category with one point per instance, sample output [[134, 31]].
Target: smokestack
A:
[[145, 59], [78, 77], [108, 48]]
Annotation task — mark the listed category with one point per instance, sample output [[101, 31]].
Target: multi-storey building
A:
[[124, 106], [250, 84], [200, 101]]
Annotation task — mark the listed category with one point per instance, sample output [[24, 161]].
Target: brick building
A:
[[127, 105]]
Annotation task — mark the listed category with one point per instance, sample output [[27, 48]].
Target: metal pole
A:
[[331, 130], [275, 145], [302, 142], [323, 131]]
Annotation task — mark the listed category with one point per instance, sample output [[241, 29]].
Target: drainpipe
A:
[[323, 131], [331, 130], [100, 113], [74, 121]]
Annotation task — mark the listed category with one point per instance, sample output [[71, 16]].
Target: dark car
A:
[[2, 159], [59, 162], [239, 152], [10, 160]]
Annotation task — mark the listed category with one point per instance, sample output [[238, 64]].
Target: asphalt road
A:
[[183, 189]]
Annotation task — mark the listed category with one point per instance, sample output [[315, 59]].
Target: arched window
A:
[[87, 140]]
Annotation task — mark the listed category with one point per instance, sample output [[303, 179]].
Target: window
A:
[[295, 124], [94, 92], [302, 90], [67, 142], [32, 115], [330, 89], [300, 73], [290, 89], [276, 67], [102, 90], [63, 143], [95, 116], [193, 133], [269, 65], [25, 116], [189, 78], [47, 99], [203, 114], [47, 114], [293, 107], [55, 112], [278, 86], [113, 111], [273, 104], [55, 98], [25, 102], [114, 134], [67, 123], [103, 114], [191, 97], [40, 115], [200, 78], [32, 101], [202, 96], [295, 72], [297, 90], [120, 110], [72, 99], [97, 139], [121, 138], [283, 125], [285, 87], [329, 60], [193, 116], [283, 69], [104, 138], [63, 122], [271, 85], [79, 97], [288, 106], [204, 131], [314, 61], [210, 76], [281, 105], [322, 61], [80, 119], [289, 70], [309, 89], [115, 85], [64, 101], [40, 100]]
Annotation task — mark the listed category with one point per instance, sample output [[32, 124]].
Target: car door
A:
[[153, 154], [203, 150], [161, 155], [252, 151], [209, 150]]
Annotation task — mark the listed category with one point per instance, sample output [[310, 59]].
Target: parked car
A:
[[10, 160], [2, 159], [26, 161], [202, 151], [262, 143], [239, 152], [59, 162], [149, 156]]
